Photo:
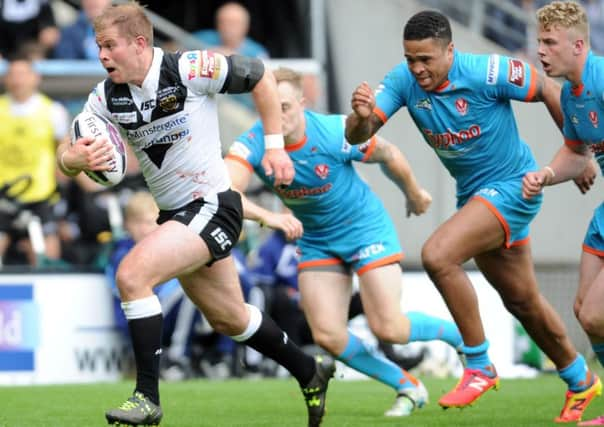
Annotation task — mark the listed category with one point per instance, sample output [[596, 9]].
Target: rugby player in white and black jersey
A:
[[165, 106]]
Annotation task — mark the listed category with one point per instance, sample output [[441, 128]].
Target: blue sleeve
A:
[[249, 146], [511, 78], [392, 93]]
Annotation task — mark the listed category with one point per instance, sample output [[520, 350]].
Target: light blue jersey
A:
[[583, 106], [344, 221], [469, 123]]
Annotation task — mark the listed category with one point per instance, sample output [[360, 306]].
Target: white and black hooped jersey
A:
[[171, 123]]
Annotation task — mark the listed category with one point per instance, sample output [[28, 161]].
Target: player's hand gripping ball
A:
[[92, 124]]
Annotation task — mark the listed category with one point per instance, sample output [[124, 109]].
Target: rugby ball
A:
[[92, 124]]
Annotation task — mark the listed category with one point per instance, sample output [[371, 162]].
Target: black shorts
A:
[[217, 219]]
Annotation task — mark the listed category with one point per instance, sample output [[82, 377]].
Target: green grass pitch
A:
[[265, 403]]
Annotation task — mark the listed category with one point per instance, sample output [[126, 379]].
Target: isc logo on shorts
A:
[[221, 238]]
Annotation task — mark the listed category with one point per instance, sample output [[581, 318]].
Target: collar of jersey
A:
[[578, 90], [296, 145], [151, 81]]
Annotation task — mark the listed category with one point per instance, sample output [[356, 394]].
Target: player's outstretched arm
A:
[[362, 123], [275, 161], [286, 222], [397, 168], [548, 91]]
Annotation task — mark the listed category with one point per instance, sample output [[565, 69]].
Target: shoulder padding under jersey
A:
[[244, 73]]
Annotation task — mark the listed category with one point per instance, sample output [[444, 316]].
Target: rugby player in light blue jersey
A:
[[460, 102], [342, 227], [564, 52]]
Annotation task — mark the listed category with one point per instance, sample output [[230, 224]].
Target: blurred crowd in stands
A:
[[499, 25]]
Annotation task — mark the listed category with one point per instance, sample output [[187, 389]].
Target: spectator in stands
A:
[[230, 36], [180, 313], [77, 40], [595, 13], [26, 20], [31, 125], [232, 22]]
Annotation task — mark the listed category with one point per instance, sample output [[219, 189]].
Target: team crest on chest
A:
[[322, 170], [167, 99], [593, 118], [461, 105]]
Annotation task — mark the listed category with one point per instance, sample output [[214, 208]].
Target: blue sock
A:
[[365, 359], [599, 350], [426, 328], [477, 357], [576, 375]]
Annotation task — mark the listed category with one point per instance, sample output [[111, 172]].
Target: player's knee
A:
[[128, 282], [333, 343], [592, 322], [521, 308], [434, 260], [387, 332], [227, 326]]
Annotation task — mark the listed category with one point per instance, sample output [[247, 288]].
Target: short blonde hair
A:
[[130, 19], [566, 14], [140, 203], [283, 74]]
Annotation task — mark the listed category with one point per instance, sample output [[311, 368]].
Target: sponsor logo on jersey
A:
[[139, 135], [121, 101], [322, 171], [210, 65], [149, 104], [450, 138], [574, 119], [193, 60], [424, 104], [300, 193], [461, 105], [239, 149], [492, 69], [593, 118], [173, 137], [125, 117], [516, 72]]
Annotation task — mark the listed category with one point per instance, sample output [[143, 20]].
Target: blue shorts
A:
[[504, 199], [358, 246], [594, 238]]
